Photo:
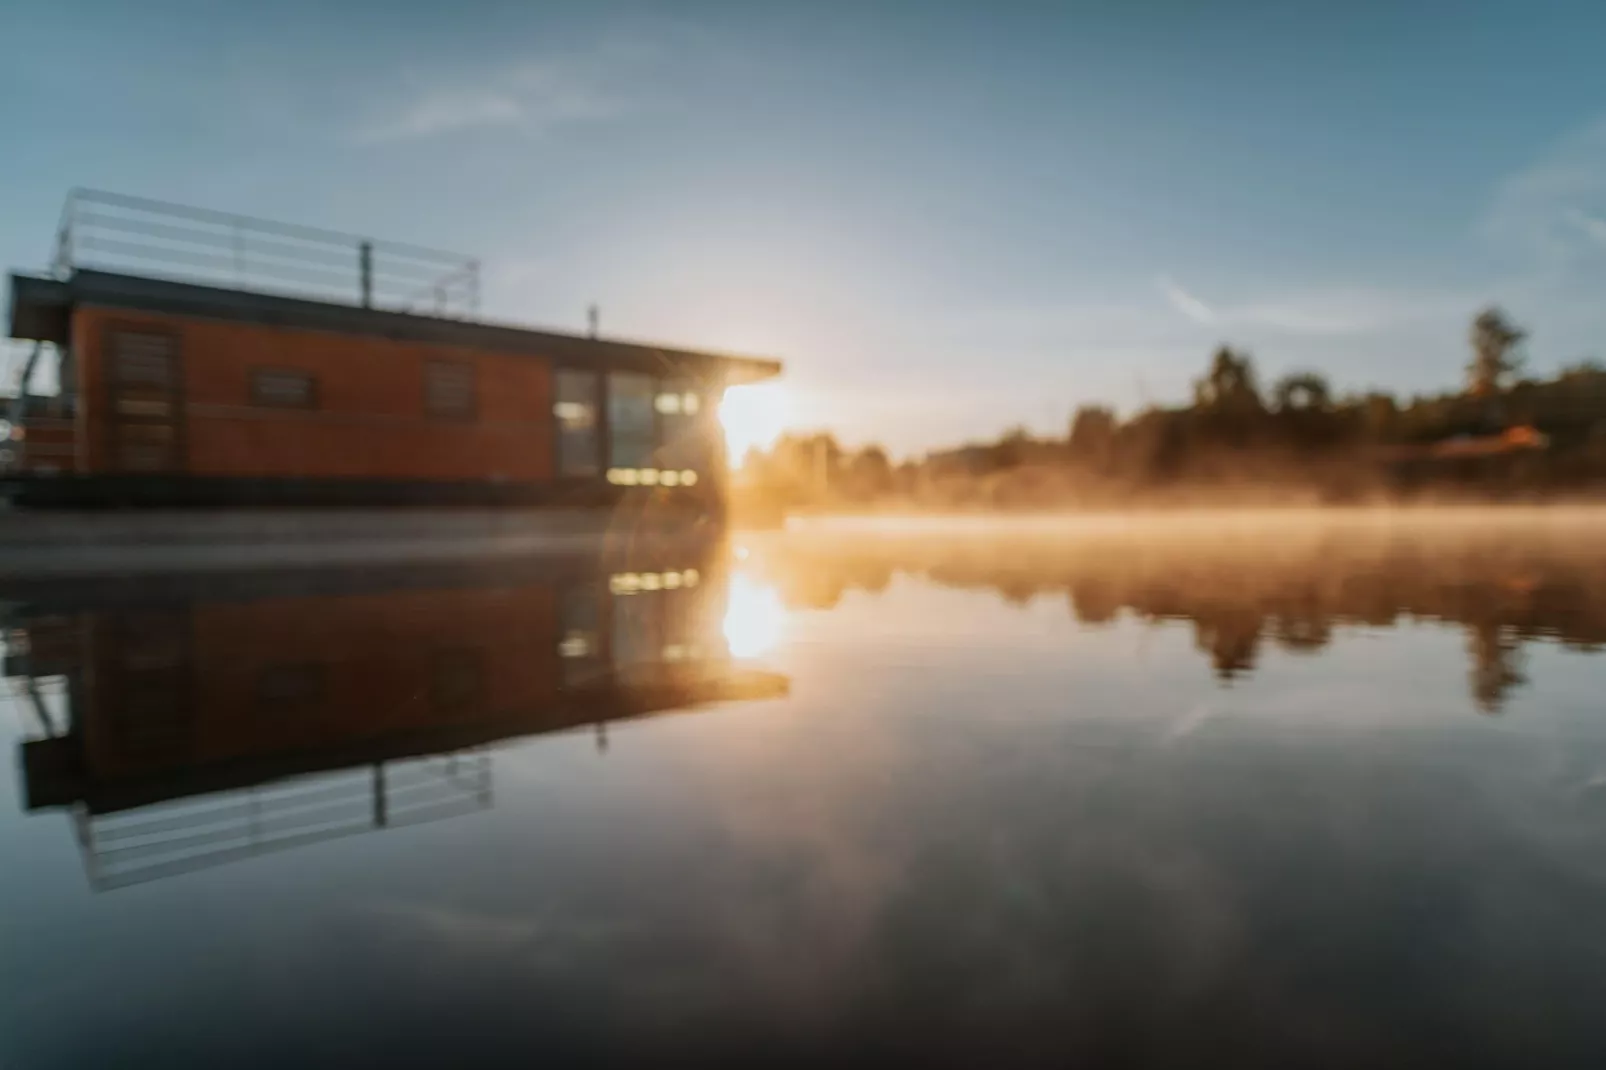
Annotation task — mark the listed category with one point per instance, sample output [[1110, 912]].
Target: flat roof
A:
[[41, 307]]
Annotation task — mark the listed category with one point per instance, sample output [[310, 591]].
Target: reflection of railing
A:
[[195, 833], [114, 232]]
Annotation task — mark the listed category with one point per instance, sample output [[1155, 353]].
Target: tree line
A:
[[1501, 434]]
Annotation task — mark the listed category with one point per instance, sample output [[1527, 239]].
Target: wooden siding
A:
[[370, 419]]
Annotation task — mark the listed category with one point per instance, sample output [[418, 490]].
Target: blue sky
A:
[[947, 219]]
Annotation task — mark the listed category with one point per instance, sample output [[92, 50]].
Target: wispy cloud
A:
[[1186, 303], [444, 110], [1552, 211], [1322, 313], [1593, 226], [532, 97]]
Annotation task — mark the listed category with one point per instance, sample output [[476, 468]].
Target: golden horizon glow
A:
[[753, 417], [754, 618]]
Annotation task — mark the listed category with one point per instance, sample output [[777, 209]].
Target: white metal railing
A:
[[167, 839], [135, 235]]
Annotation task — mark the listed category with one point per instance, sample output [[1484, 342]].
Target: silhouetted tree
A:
[[1379, 416], [1496, 664], [1229, 385], [1494, 339], [1092, 433], [1300, 391], [869, 474]]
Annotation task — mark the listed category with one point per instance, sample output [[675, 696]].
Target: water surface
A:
[[1152, 793]]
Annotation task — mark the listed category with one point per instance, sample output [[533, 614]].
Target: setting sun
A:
[[753, 416]]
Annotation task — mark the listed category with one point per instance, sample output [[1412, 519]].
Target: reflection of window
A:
[[581, 645], [283, 388], [449, 390], [288, 689], [147, 668], [575, 409], [457, 681], [635, 631], [632, 422]]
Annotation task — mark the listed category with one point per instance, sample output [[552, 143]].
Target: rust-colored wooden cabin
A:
[[201, 394]]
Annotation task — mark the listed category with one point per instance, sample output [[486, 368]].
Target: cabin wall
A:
[[368, 417], [214, 682]]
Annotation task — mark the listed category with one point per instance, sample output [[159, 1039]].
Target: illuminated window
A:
[[624, 477], [678, 403], [669, 478], [636, 582], [575, 408], [686, 435]]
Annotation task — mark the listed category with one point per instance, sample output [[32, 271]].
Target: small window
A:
[[457, 681], [292, 686], [140, 359], [283, 388], [449, 392]]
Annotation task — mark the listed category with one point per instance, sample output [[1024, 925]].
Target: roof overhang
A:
[[40, 310]]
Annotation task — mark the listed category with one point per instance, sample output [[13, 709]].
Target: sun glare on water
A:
[[754, 618], [753, 417]]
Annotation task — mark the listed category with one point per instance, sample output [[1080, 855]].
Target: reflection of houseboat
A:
[[184, 733], [214, 360]]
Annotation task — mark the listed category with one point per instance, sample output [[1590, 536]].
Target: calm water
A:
[[1249, 792]]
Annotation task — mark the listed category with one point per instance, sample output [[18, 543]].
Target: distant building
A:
[[216, 360]]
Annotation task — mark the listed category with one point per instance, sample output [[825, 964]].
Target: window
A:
[[686, 431], [143, 359], [575, 408], [632, 423], [283, 388], [449, 392]]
